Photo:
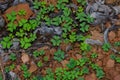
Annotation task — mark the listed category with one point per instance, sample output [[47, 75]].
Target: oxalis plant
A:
[[59, 55], [80, 22], [22, 29]]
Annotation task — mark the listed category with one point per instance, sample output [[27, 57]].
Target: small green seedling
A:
[[20, 33], [106, 47], [36, 4], [25, 43], [51, 8], [81, 2], [66, 27], [39, 64], [89, 19], [7, 69], [84, 27], [37, 78], [80, 9], [37, 53], [12, 57], [45, 58], [82, 61], [60, 5], [34, 78], [113, 56], [48, 20], [59, 55], [80, 78], [72, 63], [99, 72], [33, 23], [84, 70], [50, 75], [81, 16], [94, 55], [1, 78], [27, 27], [117, 44], [12, 16], [12, 66], [6, 42], [11, 26], [41, 52], [56, 21], [72, 37], [22, 12], [117, 59], [56, 41], [81, 37], [24, 67], [85, 47], [26, 73], [33, 37], [66, 11], [22, 22]]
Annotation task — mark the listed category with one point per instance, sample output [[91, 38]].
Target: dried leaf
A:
[[25, 58]]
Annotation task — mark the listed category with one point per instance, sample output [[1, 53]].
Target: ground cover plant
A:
[[56, 40]]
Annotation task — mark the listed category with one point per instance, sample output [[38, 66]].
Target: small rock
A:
[[117, 77], [18, 1], [33, 67], [111, 35], [25, 58], [110, 63], [13, 75], [49, 30]]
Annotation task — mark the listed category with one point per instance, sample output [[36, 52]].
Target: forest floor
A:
[[59, 55]]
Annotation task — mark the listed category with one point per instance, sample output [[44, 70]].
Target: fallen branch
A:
[[113, 27]]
